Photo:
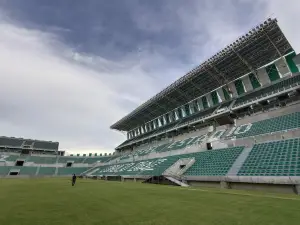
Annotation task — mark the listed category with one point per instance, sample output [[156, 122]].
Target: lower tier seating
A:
[[214, 163], [280, 158], [71, 170], [24, 170], [47, 171], [4, 170], [211, 163]]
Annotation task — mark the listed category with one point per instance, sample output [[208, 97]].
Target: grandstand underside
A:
[[232, 122]]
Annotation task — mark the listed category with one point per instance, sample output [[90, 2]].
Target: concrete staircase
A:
[[239, 162]]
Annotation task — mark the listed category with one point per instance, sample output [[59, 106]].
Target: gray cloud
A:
[[52, 91]]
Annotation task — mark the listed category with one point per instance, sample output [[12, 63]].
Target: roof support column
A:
[[296, 60], [263, 76], [247, 83], [209, 100], [200, 104], [221, 94], [282, 67], [233, 90]]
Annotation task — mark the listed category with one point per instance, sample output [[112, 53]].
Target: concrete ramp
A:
[[178, 182]]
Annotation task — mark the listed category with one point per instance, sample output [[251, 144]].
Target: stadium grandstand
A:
[[232, 122]]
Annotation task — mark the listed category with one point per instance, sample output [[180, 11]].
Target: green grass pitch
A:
[[55, 201]]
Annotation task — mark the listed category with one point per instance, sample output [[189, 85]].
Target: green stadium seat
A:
[[214, 163], [47, 171], [278, 158], [26, 170], [42, 159], [4, 170], [102, 159], [208, 163], [75, 159], [12, 158]]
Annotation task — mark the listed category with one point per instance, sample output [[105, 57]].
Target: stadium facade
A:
[[232, 122]]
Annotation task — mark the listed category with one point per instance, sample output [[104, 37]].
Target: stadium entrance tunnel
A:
[[165, 180], [14, 172], [19, 163], [69, 164]]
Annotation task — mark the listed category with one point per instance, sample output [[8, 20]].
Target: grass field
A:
[[55, 201]]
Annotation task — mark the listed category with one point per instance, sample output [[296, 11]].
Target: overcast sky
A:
[[71, 68]]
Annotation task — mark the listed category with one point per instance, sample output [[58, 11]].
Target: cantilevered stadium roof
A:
[[261, 45]]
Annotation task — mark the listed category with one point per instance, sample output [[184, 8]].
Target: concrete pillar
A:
[[233, 89], [225, 185], [221, 94], [200, 104], [282, 67], [296, 60], [263, 76], [209, 100], [247, 83], [297, 189]]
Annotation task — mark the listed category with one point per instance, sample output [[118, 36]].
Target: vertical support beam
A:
[[176, 115], [221, 94], [247, 83], [233, 89], [282, 67], [209, 100], [296, 60], [200, 104], [263, 76], [183, 111]]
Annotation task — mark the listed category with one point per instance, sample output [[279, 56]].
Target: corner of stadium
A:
[[226, 128]]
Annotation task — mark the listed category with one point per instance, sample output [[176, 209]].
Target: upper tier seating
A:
[[46, 145], [281, 123], [214, 163], [176, 145], [75, 159], [42, 159], [10, 142], [264, 92], [184, 143], [91, 160], [280, 158]]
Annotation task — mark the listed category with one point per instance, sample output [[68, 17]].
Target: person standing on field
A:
[[73, 179]]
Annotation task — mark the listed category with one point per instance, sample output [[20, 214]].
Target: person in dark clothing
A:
[[73, 179]]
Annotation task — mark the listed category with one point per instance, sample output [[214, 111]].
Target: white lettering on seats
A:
[[231, 132], [218, 134], [197, 140], [146, 165], [243, 129]]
